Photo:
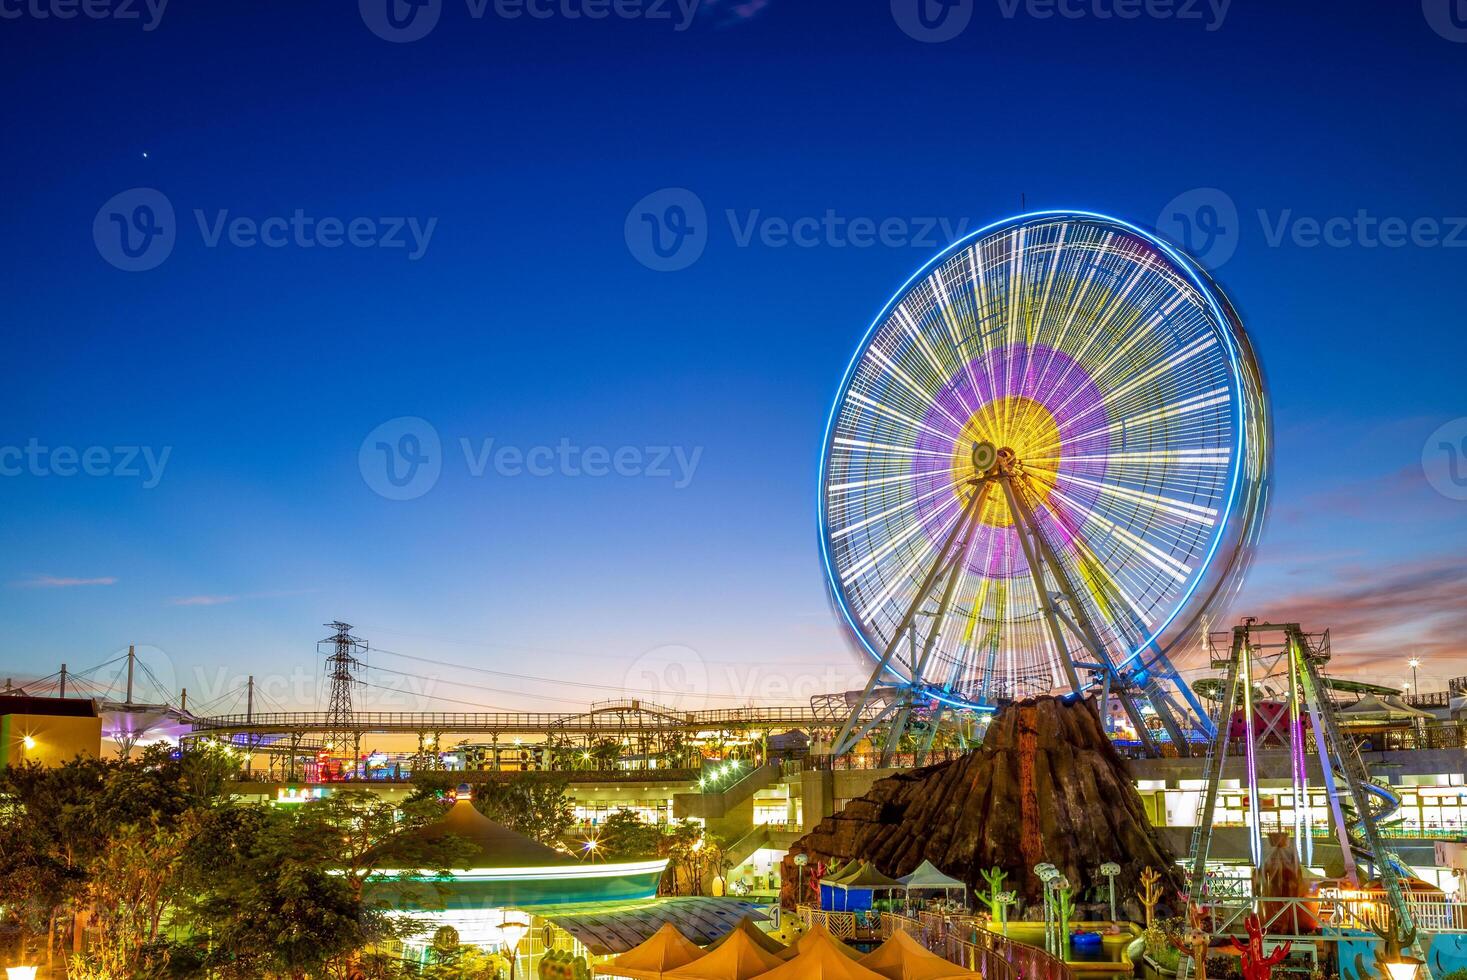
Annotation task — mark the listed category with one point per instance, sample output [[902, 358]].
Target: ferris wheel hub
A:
[[984, 456]]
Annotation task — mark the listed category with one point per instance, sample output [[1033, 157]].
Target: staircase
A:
[[713, 806]]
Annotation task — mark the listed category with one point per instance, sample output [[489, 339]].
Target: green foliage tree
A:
[[103, 835], [625, 836], [531, 804]]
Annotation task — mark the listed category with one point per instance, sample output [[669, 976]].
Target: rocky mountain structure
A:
[[1045, 786]]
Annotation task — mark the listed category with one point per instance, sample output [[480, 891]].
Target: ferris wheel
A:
[[1046, 461]]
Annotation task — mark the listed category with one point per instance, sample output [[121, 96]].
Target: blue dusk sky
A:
[[248, 244]]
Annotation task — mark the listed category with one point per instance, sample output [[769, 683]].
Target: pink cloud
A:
[[61, 582], [1379, 617]]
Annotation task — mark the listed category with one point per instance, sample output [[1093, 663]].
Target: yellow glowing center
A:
[[1020, 424]]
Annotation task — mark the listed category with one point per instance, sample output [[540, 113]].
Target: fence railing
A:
[[865, 761], [960, 939], [1229, 902]]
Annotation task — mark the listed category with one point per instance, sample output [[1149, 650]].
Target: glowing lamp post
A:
[[800, 861], [1110, 869], [1047, 873], [513, 931], [1004, 900], [1405, 969], [1414, 663]]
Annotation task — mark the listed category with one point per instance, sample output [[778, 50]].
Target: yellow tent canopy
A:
[[821, 960], [903, 958], [819, 935], [665, 951], [761, 938], [738, 958]]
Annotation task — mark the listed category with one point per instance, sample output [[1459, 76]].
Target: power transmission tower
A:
[[342, 666]]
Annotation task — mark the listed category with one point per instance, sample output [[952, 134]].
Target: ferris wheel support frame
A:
[[948, 567], [856, 727]]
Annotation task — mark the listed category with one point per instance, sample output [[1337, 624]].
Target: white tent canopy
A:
[[927, 876], [1373, 709]]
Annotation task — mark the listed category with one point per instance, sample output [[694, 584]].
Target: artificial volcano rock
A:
[[1045, 786]]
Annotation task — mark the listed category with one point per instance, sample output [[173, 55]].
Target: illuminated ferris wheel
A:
[[1046, 460]]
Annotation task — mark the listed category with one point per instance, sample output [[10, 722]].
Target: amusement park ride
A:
[[1045, 469], [1046, 465], [1047, 459]]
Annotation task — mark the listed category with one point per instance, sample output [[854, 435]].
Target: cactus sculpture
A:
[[1064, 908], [1392, 949], [994, 879], [1257, 965], [1193, 941], [1150, 892]]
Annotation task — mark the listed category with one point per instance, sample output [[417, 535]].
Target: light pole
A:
[[513, 930], [1414, 662]]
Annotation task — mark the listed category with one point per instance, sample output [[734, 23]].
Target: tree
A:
[[529, 804], [102, 834], [300, 892], [624, 836]]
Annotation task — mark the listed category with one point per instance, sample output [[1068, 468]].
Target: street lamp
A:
[[513, 931], [800, 861], [1404, 970], [1414, 662]]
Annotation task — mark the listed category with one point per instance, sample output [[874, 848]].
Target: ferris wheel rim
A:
[[1228, 326]]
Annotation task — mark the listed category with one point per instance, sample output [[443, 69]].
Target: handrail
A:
[[503, 722], [958, 939]]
